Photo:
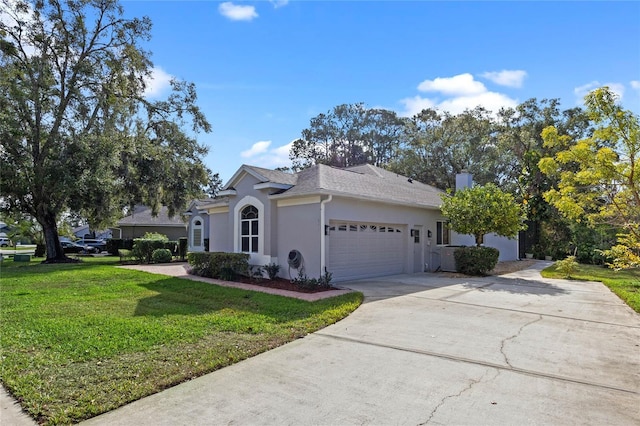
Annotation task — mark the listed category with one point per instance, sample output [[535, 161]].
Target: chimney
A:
[[464, 179]]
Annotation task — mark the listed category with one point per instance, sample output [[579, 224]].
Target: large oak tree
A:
[[77, 132]]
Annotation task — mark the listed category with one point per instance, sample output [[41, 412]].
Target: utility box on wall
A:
[[448, 263]]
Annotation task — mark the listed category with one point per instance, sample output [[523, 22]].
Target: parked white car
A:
[[5, 242]]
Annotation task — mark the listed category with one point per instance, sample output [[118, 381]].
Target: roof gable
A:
[[262, 175]]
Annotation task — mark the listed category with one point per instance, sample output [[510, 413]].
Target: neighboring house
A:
[[84, 232], [198, 225], [142, 221]]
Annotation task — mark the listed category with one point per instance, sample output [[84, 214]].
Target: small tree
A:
[[599, 176], [482, 210]]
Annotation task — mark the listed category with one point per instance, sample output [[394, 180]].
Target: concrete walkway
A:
[[425, 349]]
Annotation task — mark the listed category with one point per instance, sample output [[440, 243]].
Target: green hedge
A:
[[476, 260], [143, 248], [115, 244], [218, 264]]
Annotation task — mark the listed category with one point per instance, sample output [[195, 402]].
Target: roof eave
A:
[[354, 197]]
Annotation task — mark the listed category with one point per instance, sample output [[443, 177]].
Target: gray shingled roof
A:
[[275, 176], [197, 204], [364, 182], [142, 217]]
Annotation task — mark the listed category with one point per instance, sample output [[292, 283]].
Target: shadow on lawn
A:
[[176, 296]]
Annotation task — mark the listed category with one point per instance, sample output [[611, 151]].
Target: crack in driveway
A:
[[470, 385], [504, 341]]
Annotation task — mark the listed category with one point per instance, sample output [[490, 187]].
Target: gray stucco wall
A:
[[219, 232], [299, 229]]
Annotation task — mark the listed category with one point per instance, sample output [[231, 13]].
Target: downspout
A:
[[323, 249]]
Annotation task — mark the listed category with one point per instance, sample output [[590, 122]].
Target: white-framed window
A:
[[197, 234], [254, 236], [249, 229], [442, 233]]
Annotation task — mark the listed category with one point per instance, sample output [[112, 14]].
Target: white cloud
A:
[[462, 84], [491, 101], [582, 91], [157, 83], [256, 149], [635, 84], [261, 155], [279, 3], [413, 106], [455, 95], [236, 12], [509, 78]]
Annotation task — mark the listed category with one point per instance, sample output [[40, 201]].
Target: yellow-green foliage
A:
[[599, 176], [567, 267]]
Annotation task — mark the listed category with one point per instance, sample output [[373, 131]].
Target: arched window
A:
[[249, 229], [196, 234]]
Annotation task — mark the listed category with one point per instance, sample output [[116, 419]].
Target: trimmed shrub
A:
[[40, 251], [115, 244], [162, 255], [218, 264], [182, 247], [155, 236], [125, 255], [143, 249], [475, 260]]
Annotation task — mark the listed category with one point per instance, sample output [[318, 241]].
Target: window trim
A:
[[195, 247], [237, 218], [442, 229], [252, 236]]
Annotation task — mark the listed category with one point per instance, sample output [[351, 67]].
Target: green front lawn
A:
[[81, 339], [626, 284]]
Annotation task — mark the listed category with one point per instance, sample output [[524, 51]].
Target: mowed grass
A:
[[625, 283], [78, 340]]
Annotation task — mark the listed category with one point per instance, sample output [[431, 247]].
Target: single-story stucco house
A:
[[141, 221], [356, 222]]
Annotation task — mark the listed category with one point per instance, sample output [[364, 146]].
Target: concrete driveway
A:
[[424, 349]]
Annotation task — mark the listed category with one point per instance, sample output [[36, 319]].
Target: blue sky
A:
[[263, 69]]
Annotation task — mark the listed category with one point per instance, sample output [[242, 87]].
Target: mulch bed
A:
[[282, 284]]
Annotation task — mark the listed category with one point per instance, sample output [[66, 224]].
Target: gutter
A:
[[323, 237]]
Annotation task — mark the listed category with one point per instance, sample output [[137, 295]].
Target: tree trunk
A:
[[479, 239], [55, 253]]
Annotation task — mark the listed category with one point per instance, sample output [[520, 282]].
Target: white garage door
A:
[[361, 250]]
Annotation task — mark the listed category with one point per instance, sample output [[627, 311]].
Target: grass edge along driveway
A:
[[81, 339], [625, 283]]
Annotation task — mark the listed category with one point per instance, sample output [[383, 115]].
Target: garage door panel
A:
[[360, 250]]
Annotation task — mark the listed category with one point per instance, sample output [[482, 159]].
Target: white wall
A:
[[508, 247]]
